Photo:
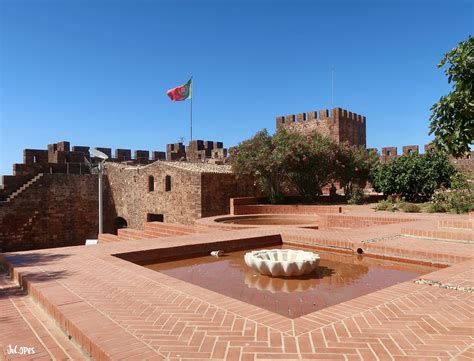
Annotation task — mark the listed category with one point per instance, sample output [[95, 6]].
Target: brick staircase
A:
[[151, 230], [23, 187], [25, 323], [456, 224], [454, 230]]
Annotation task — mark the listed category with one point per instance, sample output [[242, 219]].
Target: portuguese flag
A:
[[181, 92]]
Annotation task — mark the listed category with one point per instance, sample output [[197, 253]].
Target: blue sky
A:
[[96, 72]]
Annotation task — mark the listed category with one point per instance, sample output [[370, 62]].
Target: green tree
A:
[[452, 119], [413, 177], [354, 166], [263, 157], [312, 163], [287, 160]]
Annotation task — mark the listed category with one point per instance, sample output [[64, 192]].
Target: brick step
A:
[[155, 234], [171, 228], [168, 233], [442, 234], [107, 238], [456, 223], [125, 234], [25, 323]]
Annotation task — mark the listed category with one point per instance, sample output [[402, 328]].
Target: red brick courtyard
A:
[[84, 302]]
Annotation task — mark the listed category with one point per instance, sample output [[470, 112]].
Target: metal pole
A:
[[332, 87], [100, 168], [191, 128]]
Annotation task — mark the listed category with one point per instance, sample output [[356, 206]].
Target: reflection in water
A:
[[339, 278], [286, 285]]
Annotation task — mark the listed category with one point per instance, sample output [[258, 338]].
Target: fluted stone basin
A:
[[282, 262]]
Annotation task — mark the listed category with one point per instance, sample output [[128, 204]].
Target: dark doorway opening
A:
[[151, 217], [121, 223]]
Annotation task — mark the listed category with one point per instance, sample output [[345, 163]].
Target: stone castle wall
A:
[[197, 151], [180, 195], [338, 124], [218, 190], [57, 210], [133, 199], [51, 198], [61, 158], [389, 153]]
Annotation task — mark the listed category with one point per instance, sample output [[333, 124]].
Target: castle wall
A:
[[218, 190], [193, 194], [133, 200], [338, 124], [408, 149], [197, 151], [58, 158], [57, 210]]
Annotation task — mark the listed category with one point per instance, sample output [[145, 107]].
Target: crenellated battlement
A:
[[197, 151], [339, 124], [59, 158], [389, 153]]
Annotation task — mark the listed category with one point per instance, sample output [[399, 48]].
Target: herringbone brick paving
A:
[[20, 316], [123, 311]]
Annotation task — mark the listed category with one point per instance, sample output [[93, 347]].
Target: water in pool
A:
[[339, 278]]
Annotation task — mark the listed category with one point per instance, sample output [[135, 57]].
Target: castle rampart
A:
[[389, 153], [339, 124], [197, 151], [59, 158]]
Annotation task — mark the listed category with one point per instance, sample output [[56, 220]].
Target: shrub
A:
[[356, 197], [410, 208], [385, 205], [435, 208], [413, 177], [459, 198], [460, 201]]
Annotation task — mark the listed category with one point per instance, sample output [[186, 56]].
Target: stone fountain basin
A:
[[282, 262]]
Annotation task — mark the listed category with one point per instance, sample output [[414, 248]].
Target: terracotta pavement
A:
[[84, 302]]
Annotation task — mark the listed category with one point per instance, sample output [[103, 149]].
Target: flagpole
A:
[[332, 87], [191, 108], [191, 113]]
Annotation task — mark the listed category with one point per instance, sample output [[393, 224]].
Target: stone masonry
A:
[[197, 151], [56, 210], [339, 124], [51, 199], [59, 158], [173, 192]]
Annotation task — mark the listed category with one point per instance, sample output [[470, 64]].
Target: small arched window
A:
[[151, 183], [167, 183]]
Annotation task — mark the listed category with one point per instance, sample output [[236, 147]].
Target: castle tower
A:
[[339, 124]]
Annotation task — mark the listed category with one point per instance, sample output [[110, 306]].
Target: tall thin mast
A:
[[332, 87], [191, 109]]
